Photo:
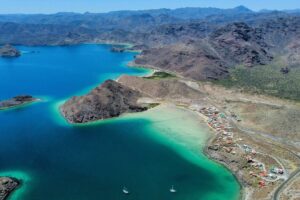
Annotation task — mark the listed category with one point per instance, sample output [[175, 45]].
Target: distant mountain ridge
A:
[[67, 17], [150, 27], [228, 46], [199, 43]]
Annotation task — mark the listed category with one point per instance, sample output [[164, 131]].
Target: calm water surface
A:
[[61, 162]]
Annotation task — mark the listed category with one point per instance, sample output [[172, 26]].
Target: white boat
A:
[[172, 190], [125, 190]]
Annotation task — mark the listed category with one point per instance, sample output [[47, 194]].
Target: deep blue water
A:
[[89, 162], [60, 72]]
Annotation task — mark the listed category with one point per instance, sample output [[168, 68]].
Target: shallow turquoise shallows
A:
[[57, 161]]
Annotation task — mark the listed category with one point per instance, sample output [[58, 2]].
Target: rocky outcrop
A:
[[16, 101], [7, 185], [110, 99], [9, 51]]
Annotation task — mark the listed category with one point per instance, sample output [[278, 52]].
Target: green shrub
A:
[[265, 80], [160, 75]]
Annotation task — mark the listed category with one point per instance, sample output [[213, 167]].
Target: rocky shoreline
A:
[[7, 186], [17, 101]]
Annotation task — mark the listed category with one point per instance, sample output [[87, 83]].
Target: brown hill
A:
[[110, 99], [234, 44]]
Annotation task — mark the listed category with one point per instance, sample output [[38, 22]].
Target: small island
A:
[[17, 101], [9, 51], [118, 49], [133, 48], [7, 186], [111, 99]]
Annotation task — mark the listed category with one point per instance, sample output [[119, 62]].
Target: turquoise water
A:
[[62, 162]]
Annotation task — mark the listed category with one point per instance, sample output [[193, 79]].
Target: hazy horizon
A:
[[94, 6]]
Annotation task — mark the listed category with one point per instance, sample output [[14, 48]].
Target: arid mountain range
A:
[[198, 43], [151, 27], [227, 46]]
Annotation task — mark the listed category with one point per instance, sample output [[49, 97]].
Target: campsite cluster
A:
[[258, 169]]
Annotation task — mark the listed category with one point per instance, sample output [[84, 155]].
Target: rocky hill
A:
[[211, 57], [110, 99], [196, 60], [129, 94], [239, 43]]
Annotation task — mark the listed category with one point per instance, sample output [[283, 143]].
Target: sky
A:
[[96, 6]]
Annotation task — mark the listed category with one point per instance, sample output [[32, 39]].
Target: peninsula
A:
[[111, 99]]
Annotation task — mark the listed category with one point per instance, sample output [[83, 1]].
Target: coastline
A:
[[208, 154], [243, 191], [189, 138], [208, 141], [211, 136], [195, 148], [195, 140]]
